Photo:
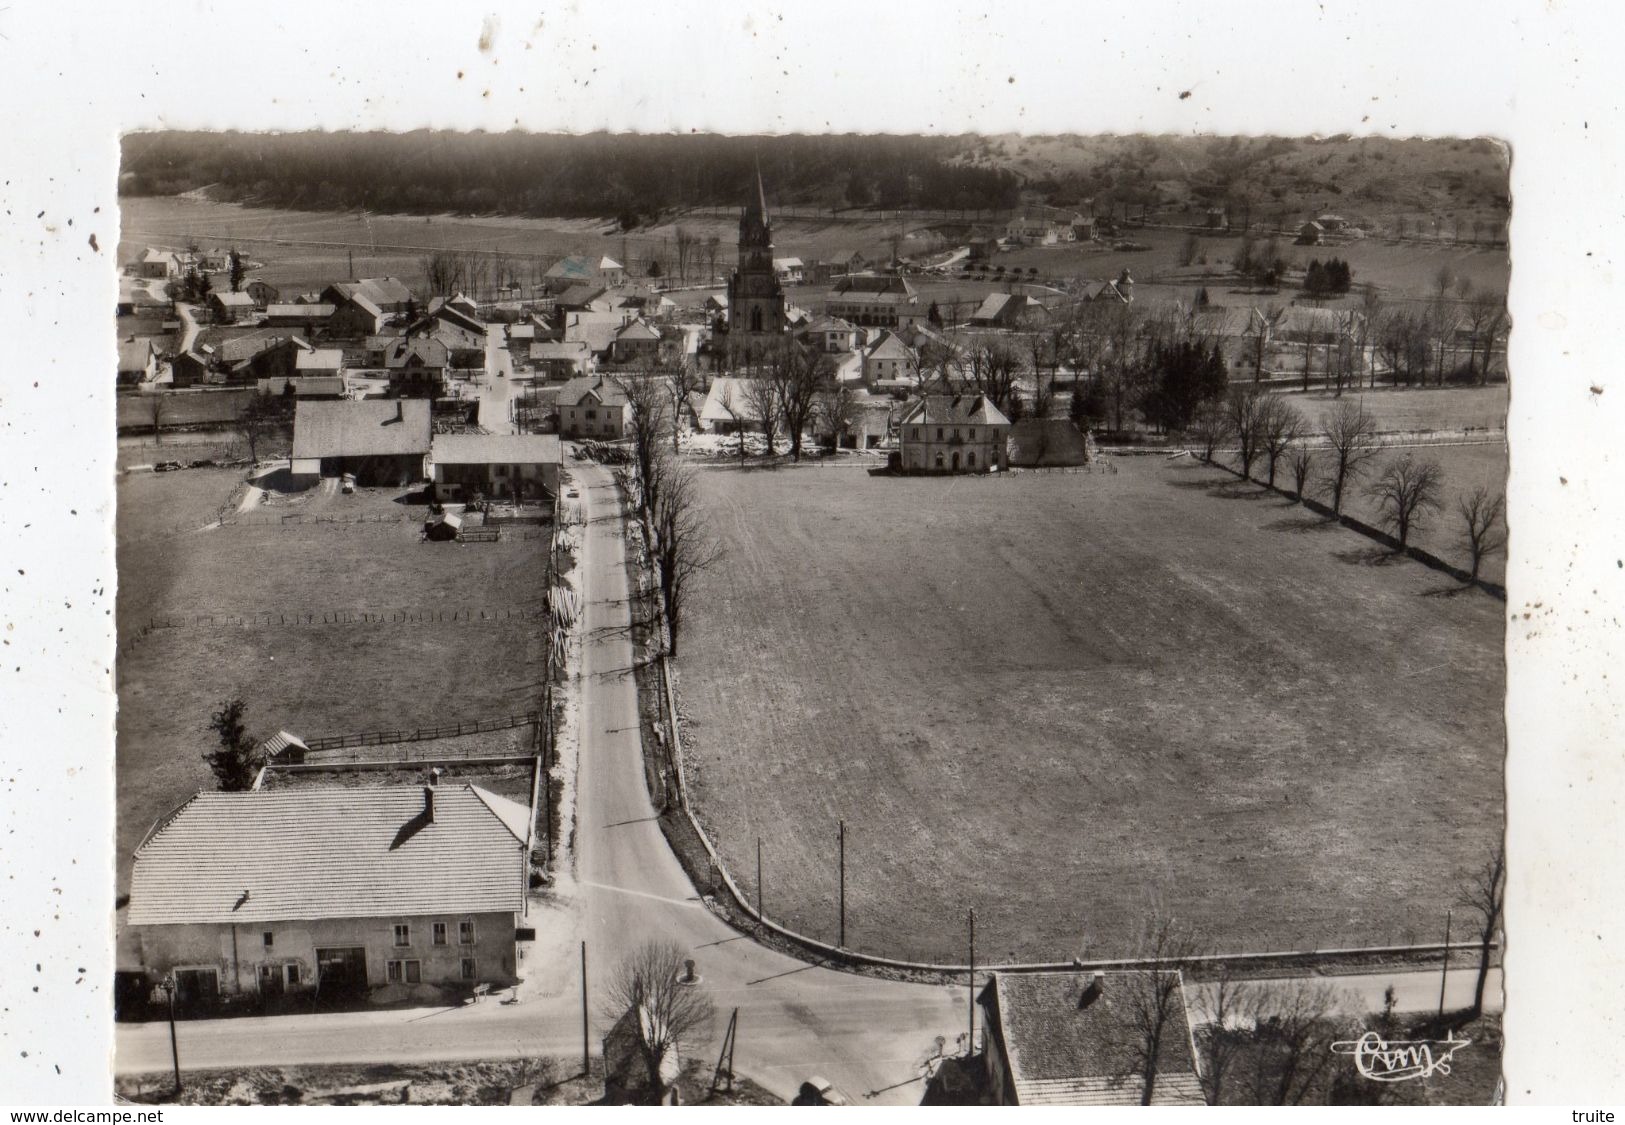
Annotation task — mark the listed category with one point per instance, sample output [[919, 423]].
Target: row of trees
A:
[[1268, 429]]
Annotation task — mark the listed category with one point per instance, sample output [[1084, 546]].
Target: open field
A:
[[1062, 699], [1404, 410], [183, 408], [308, 678]]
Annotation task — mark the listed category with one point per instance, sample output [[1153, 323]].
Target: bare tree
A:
[[1225, 1009], [666, 1012], [838, 410], [1483, 524], [686, 241], [681, 379], [991, 367], [646, 401], [260, 418], [1405, 492], [1294, 1030], [738, 412], [681, 547], [1485, 893], [1302, 462], [1280, 427], [1351, 434], [1211, 427], [713, 248], [796, 373], [1245, 410], [1155, 997], [1486, 313], [762, 397]]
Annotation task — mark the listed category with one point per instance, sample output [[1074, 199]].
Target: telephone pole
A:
[[759, 915], [586, 1050], [841, 943], [1444, 970], [970, 1044]]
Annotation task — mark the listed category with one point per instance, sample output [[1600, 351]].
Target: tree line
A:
[[596, 175]]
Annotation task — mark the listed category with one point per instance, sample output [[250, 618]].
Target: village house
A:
[[577, 268], [1121, 290], [954, 434], [388, 294], [887, 360], [158, 265], [228, 308], [1310, 233], [382, 441], [271, 356], [315, 387], [593, 407], [846, 261], [634, 342], [561, 359], [137, 361], [1040, 230], [417, 366], [520, 467], [188, 370], [1072, 1038], [831, 334], [1008, 310], [306, 318], [791, 271], [320, 362], [393, 892], [874, 300], [354, 317], [729, 407], [262, 292]]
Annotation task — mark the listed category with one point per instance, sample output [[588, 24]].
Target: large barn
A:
[[382, 441]]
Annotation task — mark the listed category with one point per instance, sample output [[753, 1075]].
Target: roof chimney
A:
[[1093, 990], [428, 803], [434, 775]]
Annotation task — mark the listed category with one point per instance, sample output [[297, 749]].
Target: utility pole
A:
[[970, 1044], [1444, 970], [168, 986], [759, 915], [586, 1051], [841, 943]]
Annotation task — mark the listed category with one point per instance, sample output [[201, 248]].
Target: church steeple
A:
[[756, 314], [755, 228]]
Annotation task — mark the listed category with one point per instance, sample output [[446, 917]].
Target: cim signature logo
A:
[[1401, 1060]]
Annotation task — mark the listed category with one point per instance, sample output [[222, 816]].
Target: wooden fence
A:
[[420, 734]]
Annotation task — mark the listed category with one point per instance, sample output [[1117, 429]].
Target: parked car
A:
[[347, 483]]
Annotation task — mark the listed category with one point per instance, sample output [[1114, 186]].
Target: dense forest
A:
[[635, 178]]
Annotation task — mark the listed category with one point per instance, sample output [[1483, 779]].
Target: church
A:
[[756, 317]]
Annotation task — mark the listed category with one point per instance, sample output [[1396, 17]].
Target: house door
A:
[[270, 981], [956, 460], [341, 970], [195, 988]]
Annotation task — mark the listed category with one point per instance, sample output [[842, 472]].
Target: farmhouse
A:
[[954, 434], [561, 359], [381, 441], [1071, 1038], [319, 361], [188, 369], [1310, 233], [137, 361], [830, 334], [1007, 310], [158, 264], [633, 342], [791, 271], [306, 317], [263, 293], [227, 308], [888, 360], [729, 407], [328, 892], [388, 294], [874, 300], [417, 366], [607, 271], [502, 466], [593, 407], [354, 316]]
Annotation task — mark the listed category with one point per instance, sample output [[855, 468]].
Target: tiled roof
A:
[[233, 300], [728, 392], [378, 292], [495, 449], [419, 351], [320, 359], [299, 312], [636, 330], [888, 346], [873, 285], [954, 410], [575, 350], [1063, 1051], [133, 355], [571, 393], [370, 427], [305, 854]]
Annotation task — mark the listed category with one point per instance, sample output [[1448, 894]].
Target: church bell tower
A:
[[756, 319]]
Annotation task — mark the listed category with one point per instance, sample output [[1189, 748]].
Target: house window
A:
[[440, 933], [972, 461], [268, 938], [939, 460], [404, 972], [470, 969], [956, 433], [290, 973], [973, 433], [465, 933], [914, 432], [592, 414], [939, 433], [403, 934]]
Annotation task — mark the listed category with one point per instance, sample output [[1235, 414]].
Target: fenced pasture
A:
[[322, 627], [1068, 700]]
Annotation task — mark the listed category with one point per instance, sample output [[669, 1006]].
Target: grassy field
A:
[[311, 679], [1064, 699]]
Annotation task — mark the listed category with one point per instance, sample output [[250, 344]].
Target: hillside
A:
[[1373, 181]]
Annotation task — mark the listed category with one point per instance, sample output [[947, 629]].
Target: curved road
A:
[[869, 1036]]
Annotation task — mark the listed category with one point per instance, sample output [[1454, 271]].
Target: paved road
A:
[[868, 1036], [495, 387]]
